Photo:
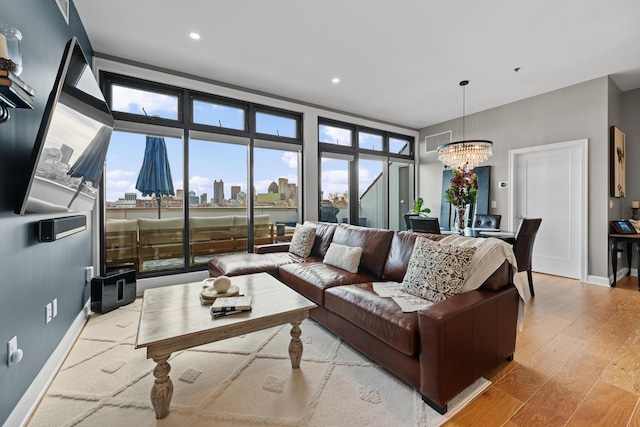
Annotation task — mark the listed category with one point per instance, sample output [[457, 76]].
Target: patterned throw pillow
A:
[[302, 240], [436, 271]]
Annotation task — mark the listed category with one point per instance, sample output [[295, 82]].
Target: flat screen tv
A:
[[68, 157]]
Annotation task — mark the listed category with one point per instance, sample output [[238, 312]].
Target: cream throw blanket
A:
[[489, 256]]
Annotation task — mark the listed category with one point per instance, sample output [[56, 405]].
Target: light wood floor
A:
[[577, 360]]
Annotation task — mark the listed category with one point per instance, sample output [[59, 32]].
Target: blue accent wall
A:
[[32, 274]]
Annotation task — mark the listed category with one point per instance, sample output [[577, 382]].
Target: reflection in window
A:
[[399, 146], [334, 190], [137, 101], [334, 135], [224, 116], [271, 124], [371, 189], [370, 141]]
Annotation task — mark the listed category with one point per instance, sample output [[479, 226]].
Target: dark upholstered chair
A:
[[425, 224], [523, 246], [491, 222]]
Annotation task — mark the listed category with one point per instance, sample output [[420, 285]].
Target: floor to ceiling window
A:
[[232, 183], [366, 175]]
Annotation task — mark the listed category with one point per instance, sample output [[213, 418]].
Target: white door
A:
[[550, 182]]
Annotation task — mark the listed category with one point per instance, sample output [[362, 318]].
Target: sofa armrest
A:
[[463, 338], [270, 248]]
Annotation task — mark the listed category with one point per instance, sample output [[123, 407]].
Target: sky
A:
[[210, 161]]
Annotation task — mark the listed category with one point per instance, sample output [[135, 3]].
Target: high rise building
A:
[[203, 199], [180, 193], [67, 152], [130, 196], [273, 188], [218, 192], [282, 185], [235, 189]]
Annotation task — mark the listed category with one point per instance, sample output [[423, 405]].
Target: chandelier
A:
[[466, 154]]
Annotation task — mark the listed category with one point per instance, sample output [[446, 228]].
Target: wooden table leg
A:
[[295, 346], [162, 389]]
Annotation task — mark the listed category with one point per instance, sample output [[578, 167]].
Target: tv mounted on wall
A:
[[68, 157]]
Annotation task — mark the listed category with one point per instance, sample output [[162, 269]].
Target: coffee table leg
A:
[[162, 389], [295, 346]]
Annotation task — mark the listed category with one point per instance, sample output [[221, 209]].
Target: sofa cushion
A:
[[375, 245], [400, 252], [436, 271], [380, 317], [324, 235], [344, 257], [239, 264], [115, 225], [310, 279], [302, 240], [160, 224]]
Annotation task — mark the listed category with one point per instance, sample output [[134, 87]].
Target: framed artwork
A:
[[617, 162]]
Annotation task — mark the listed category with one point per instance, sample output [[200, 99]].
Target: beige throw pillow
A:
[[436, 271], [302, 240], [344, 257]]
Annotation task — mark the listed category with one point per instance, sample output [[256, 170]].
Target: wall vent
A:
[[432, 142]]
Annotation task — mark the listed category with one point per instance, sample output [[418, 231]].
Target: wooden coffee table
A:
[[173, 319]]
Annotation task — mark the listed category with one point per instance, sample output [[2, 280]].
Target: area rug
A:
[[243, 381]]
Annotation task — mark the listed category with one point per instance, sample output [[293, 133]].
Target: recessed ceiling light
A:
[[194, 35], [335, 80]]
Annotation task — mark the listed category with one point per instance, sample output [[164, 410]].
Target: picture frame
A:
[[617, 162]]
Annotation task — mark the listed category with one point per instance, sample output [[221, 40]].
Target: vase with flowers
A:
[[462, 192]]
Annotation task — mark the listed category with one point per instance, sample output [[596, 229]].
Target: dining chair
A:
[[425, 225], [523, 246], [488, 221]]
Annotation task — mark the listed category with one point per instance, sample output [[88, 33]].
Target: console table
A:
[[629, 239]]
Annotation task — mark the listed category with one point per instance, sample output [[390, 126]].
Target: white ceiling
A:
[[399, 61]]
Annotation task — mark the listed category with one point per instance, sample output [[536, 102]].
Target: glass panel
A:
[[334, 190], [137, 101], [399, 146], [371, 186], [276, 208], [208, 113], [335, 135], [140, 232], [218, 199], [399, 199], [370, 141], [276, 125]]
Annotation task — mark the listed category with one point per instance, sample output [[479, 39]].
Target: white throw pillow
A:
[[344, 257], [302, 240], [436, 271]]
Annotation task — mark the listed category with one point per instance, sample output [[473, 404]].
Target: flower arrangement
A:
[[463, 189]]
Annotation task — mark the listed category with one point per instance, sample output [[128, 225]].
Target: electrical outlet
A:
[[493, 204], [55, 307], [49, 313], [88, 274], [619, 255]]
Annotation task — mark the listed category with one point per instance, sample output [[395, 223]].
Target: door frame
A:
[[582, 145]]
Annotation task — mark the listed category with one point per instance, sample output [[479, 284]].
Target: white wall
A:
[[571, 113]]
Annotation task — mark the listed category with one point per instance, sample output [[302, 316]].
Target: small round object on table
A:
[[209, 294]]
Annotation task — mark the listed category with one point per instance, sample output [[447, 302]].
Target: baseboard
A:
[[599, 280], [36, 391]]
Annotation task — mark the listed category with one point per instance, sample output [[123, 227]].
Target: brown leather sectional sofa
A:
[[439, 350]]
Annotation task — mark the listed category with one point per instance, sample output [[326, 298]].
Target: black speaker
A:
[[57, 228], [113, 290]]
